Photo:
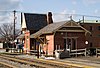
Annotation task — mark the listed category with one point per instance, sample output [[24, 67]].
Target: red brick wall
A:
[[80, 40], [50, 45], [95, 37], [27, 42], [59, 40]]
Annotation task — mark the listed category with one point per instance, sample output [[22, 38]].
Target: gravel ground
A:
[[19, 65], [88, 61], [27, 56], [2, 66]]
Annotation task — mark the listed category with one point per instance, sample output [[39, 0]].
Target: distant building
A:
[[94, 27]]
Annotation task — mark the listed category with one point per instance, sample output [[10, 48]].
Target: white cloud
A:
[[6, 6], [74, 2], [88, 2], [73, 11], [96, 11], [64, 12], [64, 15], [60, 16], [9, 4]]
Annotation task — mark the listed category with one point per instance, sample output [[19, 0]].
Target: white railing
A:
[[78, 52], [97, 52]]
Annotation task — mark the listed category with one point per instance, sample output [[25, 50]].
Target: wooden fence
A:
[[75, 52]]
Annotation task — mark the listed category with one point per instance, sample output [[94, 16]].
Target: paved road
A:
[[87, 61]]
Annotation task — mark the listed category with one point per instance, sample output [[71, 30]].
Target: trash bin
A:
[[64, 54]]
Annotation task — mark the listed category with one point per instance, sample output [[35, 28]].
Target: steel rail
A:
[[8, 65], [36, 64], [47, 63], [52, 63]]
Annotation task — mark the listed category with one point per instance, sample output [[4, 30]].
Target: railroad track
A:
[[37, 63], [26, 62], [90, 62], [41, 63], [9, 63], [5, 65]]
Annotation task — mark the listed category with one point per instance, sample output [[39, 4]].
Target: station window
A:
[[91, 28], [98, 27]]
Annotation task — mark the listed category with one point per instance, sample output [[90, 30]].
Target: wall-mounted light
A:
[[86, 42]]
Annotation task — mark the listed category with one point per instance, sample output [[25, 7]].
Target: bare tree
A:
[[6, 32]]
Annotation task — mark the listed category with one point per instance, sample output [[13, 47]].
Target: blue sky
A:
[[90, 7], [59, 8]]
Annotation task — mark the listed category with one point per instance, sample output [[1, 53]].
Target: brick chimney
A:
[[49, 18]]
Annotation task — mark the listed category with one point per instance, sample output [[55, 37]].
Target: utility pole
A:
[[14, 24], [14, 12]]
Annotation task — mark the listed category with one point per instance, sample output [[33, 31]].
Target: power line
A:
[[53, 13], [76, 15], [8, 11]]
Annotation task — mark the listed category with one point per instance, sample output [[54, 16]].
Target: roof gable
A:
[[70, 23], [73, 24], [57, 26], [34, 21], [48, 29]]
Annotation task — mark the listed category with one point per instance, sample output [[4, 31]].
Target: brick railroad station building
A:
[[49, 36]]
